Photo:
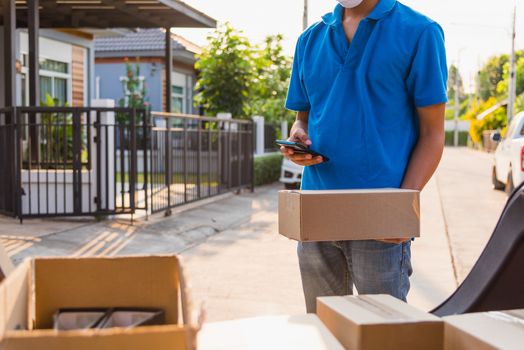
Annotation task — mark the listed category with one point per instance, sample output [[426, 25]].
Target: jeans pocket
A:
[[405, 261]]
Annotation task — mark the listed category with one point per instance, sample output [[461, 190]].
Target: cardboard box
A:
[[338, 215], [380, 322], [303, 332], [485, 330], [145, 282]]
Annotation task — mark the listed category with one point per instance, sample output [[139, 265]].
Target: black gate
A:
[[67, 161], [195, 157]]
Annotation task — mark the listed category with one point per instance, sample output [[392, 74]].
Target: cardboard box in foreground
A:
[[485, 331], [336, 215], [379, 322], [302, 332], [149, 282]]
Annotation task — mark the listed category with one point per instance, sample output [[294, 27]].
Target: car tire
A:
[[510, 187], [497, 185], [292, 186]]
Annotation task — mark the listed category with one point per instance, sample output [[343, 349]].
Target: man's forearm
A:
[[428, 150], [424, 161]]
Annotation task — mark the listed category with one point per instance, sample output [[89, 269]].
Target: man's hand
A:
[[299, 134]]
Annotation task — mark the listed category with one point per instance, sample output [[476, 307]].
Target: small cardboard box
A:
[[26, 320], [338, 215], [302, 332], [485, 331], [379, 322]]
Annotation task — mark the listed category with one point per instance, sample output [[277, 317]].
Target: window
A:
[[24, 88], [54, 79], [54, 66], [522, 130], [177, 99]]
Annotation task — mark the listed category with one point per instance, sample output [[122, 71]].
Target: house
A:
[[146, 47], [66, 65], [58, 160]]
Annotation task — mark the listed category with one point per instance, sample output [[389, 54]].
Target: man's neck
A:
[[361, 10]]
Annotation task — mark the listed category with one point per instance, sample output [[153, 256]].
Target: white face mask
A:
[[349, 4]]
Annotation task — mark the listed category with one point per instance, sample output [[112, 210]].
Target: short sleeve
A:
[[428, 75], [297, 98]]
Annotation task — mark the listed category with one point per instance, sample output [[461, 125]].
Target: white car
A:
[[508, 170], [290, 174]]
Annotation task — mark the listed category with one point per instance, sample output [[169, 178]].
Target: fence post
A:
[[284, 129], [259, 136], [168, 165], [252, 154], [106, 148], [133, 164]]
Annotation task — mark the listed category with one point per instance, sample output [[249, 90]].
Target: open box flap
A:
[[15, 294]]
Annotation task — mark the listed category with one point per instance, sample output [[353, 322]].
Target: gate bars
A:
[[195, 157], [69, 161]]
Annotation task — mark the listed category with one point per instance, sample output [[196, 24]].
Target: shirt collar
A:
[[382, 8]]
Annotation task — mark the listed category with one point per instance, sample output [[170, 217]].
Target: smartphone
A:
[[300, 148]]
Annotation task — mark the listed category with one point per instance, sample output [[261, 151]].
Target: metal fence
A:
[[194, 157], [270, 136], [67, 161], [63, 161]]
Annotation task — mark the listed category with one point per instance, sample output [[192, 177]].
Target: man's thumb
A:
[[302, 137]]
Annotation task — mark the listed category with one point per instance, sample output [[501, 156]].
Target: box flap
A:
[[153, 338], [289, 214], [376, 309], [143, 281], [499, 329], [302, 332], [15, 298], [6, 266]]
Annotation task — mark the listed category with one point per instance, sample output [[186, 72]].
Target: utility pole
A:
[[304, 17], [457, 107], [512, 88]]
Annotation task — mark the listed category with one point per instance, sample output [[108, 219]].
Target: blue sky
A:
[[475, 29]]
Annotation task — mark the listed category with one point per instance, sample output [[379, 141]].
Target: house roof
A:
[[143, 40], [112, 14]]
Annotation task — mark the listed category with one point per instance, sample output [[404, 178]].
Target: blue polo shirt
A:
[[362, 97]]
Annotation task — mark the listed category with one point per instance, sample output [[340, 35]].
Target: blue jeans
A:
[[332, 268]]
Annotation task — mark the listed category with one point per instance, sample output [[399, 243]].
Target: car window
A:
[[522, 130], [511, 128]]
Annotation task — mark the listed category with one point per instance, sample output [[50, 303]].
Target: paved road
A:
[[470, 204]]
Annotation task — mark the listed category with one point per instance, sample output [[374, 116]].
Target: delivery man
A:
[[369, 87]]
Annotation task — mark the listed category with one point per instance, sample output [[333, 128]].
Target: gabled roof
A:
[[112, 14], [143, 40]]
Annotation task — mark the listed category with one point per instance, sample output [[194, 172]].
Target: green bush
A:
[[267, 168], [462, 140]]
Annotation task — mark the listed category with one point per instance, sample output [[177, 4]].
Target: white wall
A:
[[463, 125], [49, 48]]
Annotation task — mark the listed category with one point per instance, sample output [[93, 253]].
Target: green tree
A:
[[490, 75], [453, 75], [270, 81], [502, 86], [134, 89], [226, 72]]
